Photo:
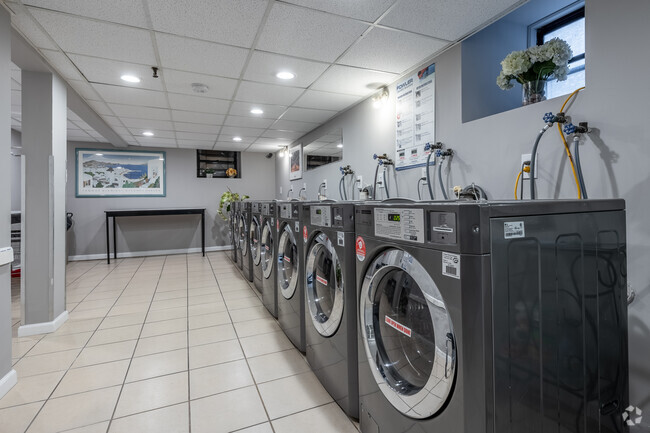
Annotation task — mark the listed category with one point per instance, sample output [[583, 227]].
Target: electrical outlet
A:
[[359, 183], [424, 175], [324, 183], [380, 182], [526, 157], [304, 186]]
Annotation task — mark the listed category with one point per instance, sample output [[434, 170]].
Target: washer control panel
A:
[[404, 224], [320, 216]]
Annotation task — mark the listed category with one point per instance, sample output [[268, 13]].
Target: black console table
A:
[[148, 212]]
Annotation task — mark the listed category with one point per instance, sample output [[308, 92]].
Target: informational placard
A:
[[415, 118]]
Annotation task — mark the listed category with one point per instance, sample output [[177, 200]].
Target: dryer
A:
[[331, 300], [492, 317], [269, 248], [244, 255], [254, 241], [291, 301]]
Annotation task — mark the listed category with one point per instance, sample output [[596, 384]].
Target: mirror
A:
[[324, 150]]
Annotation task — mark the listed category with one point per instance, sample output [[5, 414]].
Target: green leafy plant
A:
[[227, 199]]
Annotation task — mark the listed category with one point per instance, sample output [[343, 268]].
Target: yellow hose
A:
[[566, 145], [517, 183]]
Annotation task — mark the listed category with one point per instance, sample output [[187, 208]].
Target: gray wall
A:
[[615, 156], [184, 189]]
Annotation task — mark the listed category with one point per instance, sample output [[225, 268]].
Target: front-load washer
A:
[[331, 300], [237, 219], [291, 301], [492, 317], [268, 248], [232, 222], [245, 213], [254, 240]]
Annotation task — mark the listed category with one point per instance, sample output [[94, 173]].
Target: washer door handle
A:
[[450, 339]]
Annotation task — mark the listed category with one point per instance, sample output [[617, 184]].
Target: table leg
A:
[[203, 233], [108, 244], [114, 239]]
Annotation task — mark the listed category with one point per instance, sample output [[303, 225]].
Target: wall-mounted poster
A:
[[295, 162], [415, 118], [119, 173]]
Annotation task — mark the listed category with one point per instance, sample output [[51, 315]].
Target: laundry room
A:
[[291, 215]]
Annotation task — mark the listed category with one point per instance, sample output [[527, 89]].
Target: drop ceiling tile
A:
[[26, 24], [308, 115], [391, 50], [137, 112], [84, 90], [71, 125], [137, 133], [131, 96], [282, 134], [326, 100], [162, 144], [277, 143], [267, 93], [117, 11], [195, 144], [295, 126], [445, 19], [244, 109], [62, 64], [83, 125], [248, 121], [232, 131], [197, 103], [200, 57], [197, 127], [98, 37], [367, 10], [77, 135], [104, 71], [148, 125], [353, 81], [196, 136], [224, 145], [263, 67], [225, 21], [155, 141], [100, 108], [72, 115], [97, 136], [195, 117], [307, 33], [262, 148], [181, 82]]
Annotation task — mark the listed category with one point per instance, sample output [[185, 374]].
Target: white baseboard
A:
[[44, 327], [8, 382], [130, 254]]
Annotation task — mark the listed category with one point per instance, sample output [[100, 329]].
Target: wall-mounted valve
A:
[[346, 170], [550, 118], [430, 146], [582, 128], [444, 153]]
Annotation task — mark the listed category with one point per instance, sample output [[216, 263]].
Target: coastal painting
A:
[[119, 173]]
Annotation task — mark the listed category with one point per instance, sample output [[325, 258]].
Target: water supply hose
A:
[[576, 152], [385, 183], [533, 157], [419, 193], [566, 145], [341, 195], [429, 186], [442, 184], [374, 184]]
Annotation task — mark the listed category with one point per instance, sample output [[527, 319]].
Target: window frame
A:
[[201, 155], [559, 19]]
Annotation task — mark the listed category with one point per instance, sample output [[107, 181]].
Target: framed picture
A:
[[295, 162], [119, 173]]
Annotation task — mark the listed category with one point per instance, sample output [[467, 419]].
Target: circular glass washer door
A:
[[243, 231], [324, 290], [266, 250], [254, 236], [287, 263], [407, 334]]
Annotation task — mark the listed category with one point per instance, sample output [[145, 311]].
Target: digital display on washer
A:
[[394, 217]]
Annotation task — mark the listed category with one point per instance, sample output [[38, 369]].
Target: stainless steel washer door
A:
[[243, 231], [287, 263], [324, 289], [254, 236], [266, 250], [407, 334]]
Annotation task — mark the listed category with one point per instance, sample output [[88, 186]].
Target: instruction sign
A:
[[415, 118]]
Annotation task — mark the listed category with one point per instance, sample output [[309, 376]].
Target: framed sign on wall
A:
[[295, 162], [119, 173]]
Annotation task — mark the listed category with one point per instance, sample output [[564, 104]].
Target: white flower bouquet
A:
[[538, 63]]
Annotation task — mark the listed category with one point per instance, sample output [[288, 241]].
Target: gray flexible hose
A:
[[341, 191], [374, 185], [428, 176], [533, 157], [385, 183], [419, 193], [581, 180], [442, 184]]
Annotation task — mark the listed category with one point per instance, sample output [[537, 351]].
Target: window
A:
[[216, 162], [569, 26]]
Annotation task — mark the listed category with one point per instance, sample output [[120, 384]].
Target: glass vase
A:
[[533, 91]]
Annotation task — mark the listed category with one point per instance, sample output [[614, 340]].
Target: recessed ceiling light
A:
[[99, 154], [236, 139], [147, 134], [130, 78], [285, 75], [257, 111], [340, 145]]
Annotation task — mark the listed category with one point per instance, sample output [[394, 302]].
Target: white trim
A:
[[8, 382], [149, 253], [43, 327]]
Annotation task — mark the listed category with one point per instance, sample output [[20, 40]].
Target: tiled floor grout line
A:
[[189, 381], [81, 350], [250, 370]]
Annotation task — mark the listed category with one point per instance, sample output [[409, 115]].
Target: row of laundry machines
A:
[[458, 317]]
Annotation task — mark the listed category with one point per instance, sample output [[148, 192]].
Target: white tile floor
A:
[[164, 344]]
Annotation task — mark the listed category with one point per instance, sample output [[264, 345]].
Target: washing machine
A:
[[499, 317], [237, 233], [291, 301], [254, 240], [268, 248], [331, 300], [232, 223], [245, 214]]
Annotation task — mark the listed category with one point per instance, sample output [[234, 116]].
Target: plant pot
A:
[[533, 92], [208, 175]]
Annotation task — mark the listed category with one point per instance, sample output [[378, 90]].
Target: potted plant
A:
[[209, 172], [533, 67], [227, 198]]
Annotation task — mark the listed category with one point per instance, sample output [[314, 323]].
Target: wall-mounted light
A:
[[283, 152], [380, 99]]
